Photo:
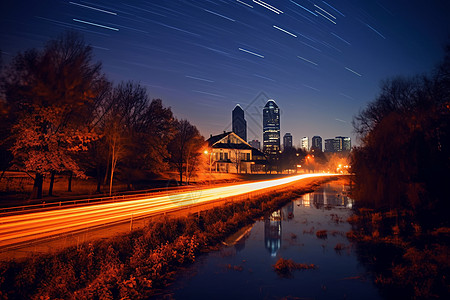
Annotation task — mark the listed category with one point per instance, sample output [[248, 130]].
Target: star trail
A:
[[322, 61]]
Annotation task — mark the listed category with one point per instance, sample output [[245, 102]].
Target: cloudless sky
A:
[[321, 61]]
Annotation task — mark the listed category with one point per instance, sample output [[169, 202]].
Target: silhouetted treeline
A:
[[60, 114], [404, 157]]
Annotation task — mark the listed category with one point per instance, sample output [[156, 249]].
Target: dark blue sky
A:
[[322, 61]]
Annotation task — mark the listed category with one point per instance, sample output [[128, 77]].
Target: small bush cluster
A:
[[135, 265], [405, 260], [284, 267]]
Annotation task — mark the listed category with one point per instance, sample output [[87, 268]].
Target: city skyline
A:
[[321, 61]]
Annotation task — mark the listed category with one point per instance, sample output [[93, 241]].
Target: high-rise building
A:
[[344, 142], [271, 128], [316, 143], [255, 144], [305, 143], [338, 144], [287, 140], [238, 122]]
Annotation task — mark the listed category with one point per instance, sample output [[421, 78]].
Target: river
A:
[[244, 268]]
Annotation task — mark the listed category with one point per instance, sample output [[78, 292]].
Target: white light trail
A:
[[285, 31], [95, 24], [90, 7], [376, 31], [325, 11], [325, 17], [244, 3], [354, 72], [250, 52], [206, 93], [268, 6], [310, 87], [334, 9], [340, 38], [307, 60], [198, 78], [304, 8], [219, 15]]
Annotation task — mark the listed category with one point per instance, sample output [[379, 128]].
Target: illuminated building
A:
[[239, 124], [287, 140], [229, 153], [305, 143], [316, 143], [272, 232], [271, 128], [338, 144]]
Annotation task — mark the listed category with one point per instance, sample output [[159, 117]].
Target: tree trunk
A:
[[37, 186], [69, 185], [52, 181], [99, 180], [181, 175]]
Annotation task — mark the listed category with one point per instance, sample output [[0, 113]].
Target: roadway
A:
[[33, 226]]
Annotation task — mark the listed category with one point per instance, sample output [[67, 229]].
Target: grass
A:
[[138, 264]]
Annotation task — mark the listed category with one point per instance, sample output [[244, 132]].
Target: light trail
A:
[[93, 8], [307, 60], [21, 228], [95, 24], [304, 8], [244, 3], [354, 72], [326, 17], [268, 6], [250, 52], [285, 31], [219, 15], [325, 11]]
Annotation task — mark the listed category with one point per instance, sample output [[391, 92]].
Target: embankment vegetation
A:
[[138, 264], [401, 226]]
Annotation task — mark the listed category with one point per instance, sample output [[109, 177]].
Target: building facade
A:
[[316, 143], [305, 143], [229, 153], [271, 128], [338, 144], [239, 124], [287, 140]]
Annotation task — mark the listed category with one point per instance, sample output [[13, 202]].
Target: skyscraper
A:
[[316, 143], [338, 144], [238, 122], [287, 140], [305, 143], [271, 128]]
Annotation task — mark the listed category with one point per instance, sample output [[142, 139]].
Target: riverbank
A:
[[406, 260], [136, 265]]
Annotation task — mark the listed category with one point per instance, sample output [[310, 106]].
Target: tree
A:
[[185, 147], [136, 131], [47, 93], [405, 146]]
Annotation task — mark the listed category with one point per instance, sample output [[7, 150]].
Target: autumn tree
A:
[[185, 147], [47, 91], [136, 131], [404, 155]]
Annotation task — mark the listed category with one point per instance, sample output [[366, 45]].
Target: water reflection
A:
[[327, 197], [245, 270]]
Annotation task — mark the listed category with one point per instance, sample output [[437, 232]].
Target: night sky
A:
[[321, 61]]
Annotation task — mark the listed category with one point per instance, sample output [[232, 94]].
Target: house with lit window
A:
[[229, 153]]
